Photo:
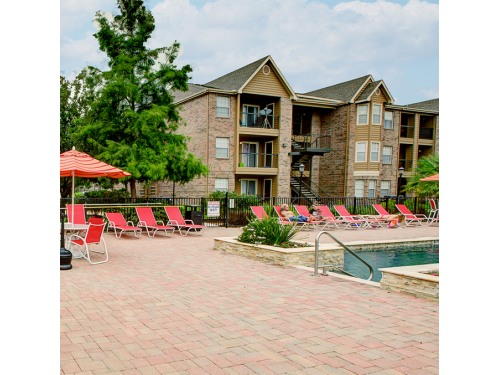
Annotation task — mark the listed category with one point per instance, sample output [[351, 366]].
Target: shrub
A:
[[268, 232], [122, 193]]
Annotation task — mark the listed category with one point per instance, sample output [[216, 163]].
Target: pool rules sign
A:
[[213, 208]]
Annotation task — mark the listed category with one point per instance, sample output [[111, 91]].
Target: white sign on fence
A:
[[213, 208], [231, 203]]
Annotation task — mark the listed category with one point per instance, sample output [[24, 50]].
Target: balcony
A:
[[426, 133], [407, 131], [407, 164], [311, 143], [257, 163]]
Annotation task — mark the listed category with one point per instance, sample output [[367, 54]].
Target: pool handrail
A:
[[316, 258]]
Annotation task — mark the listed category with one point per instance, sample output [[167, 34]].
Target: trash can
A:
[[194, 213]]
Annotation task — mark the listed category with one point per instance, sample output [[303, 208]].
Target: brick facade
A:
[[284, 159]]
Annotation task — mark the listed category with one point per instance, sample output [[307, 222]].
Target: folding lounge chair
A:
[[92, 237], [117, 222], [79, 214], [259, 212], [383, 212], [175, 218], [331, 219], [369, 220], [147, 220], [409, 217], [433, 213], [302, 210], [285, 221], [351, 221]]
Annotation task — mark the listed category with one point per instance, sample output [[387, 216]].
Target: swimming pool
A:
[[398, 257]]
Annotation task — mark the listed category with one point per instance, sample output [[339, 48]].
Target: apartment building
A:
[[254, 131]]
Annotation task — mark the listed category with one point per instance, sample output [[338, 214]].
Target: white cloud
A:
[[313, 44], [430, 93], [83, 52], [76, 13]]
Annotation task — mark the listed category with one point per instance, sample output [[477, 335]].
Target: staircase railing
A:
[[306, 187], [308, 142]]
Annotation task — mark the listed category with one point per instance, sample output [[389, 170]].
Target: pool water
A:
[[398, 257]]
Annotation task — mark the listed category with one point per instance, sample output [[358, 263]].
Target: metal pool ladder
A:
[[316, 258]]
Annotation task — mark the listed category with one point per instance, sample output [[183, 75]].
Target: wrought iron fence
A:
[[234, 212]]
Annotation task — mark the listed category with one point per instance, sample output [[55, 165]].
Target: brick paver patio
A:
[[174, 305]]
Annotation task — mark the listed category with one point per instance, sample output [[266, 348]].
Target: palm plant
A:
[[427, 166]]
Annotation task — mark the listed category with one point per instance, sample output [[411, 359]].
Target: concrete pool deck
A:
[[174, 305]]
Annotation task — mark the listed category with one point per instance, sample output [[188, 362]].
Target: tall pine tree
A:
[[132, 121]]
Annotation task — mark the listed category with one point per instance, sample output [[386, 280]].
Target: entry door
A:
[[249, 187], [269, 156], [250, 113], [249, 154], [268, 184], [269, 118]]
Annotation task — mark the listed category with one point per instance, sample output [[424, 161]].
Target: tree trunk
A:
[[132, 188]]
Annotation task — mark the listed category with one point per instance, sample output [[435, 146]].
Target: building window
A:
[[221, 184], [222, 107], [222, 148], [360, 152], [249, 187], [372, 186], [359, 187], [250, 115], [386, 155], [385, 186], [377, 114], [375, 152], [388, 120], [363, 114]]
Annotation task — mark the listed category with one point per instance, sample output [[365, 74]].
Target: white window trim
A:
[[371, 153], [356, 151], [227, 184], [390, 154], [249, 179], [370, 182], [392, 121], [373, 114], [388, 189], [363, 193], [228, 107], [367, 113], [221, 147]]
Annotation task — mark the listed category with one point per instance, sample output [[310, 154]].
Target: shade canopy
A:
[[79, 164], [431, 178]]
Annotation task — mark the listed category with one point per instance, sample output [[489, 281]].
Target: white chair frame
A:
[[142, 224], [88, 248], [182, 226], [112, 226]]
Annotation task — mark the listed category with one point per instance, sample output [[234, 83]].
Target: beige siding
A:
[[262, 84]]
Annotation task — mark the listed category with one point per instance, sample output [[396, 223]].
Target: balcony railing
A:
[[255, 120], [407, 131], [311, 142], [407, 164], [426, 133], [258, 160]]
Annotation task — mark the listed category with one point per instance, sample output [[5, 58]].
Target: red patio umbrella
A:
[[431, 178], [78, 164]]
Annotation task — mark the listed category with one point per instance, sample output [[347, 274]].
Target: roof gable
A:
[[345, 91], [236, 79], [371, 88]]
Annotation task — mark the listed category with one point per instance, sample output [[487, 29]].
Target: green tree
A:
[[73, 103], [132, 121], [426, 166]]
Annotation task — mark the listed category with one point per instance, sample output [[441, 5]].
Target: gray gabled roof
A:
[[236, 79], [432, 105], [193, 89], [341, 91], [370, 88]]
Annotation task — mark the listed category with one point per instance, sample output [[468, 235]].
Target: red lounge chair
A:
[[92, 237], [175, 218], [79, 214], [116, 221], [350, 220], [383, 212], [434, 212], [302, 210], [285, 221], [325, 211], [259, 212], [409, 217], [147, 220]]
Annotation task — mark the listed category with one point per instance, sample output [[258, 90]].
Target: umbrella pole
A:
[[73, 197]]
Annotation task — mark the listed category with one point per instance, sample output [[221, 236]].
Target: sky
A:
[[315, 43]]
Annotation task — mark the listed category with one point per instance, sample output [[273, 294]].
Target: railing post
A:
[[354, 206], [227, 208], [203, 210], [387, 203]]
